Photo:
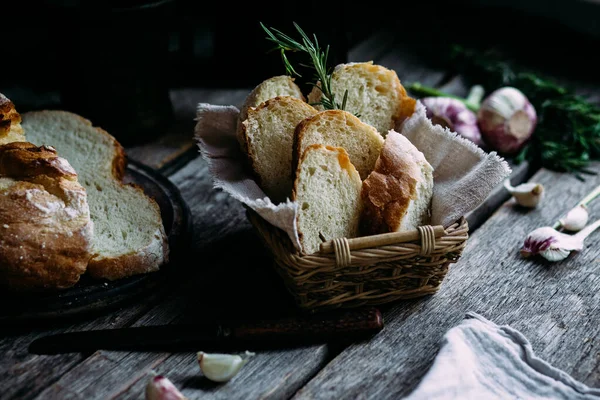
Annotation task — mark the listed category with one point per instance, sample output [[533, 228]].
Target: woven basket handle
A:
[[387, 238]]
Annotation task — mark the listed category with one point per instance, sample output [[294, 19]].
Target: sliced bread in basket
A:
[[397, 194], [269, 135], [281, 85], [129, 237], [327, 191], [340, 128], [375, 94]]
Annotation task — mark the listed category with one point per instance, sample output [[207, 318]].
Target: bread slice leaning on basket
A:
[[327, 191], [340, 128], [397, 194], [281, 85], [129, 236], [375, 94], [269, 134]]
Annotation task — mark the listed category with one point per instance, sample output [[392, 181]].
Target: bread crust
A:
[[252, 101], [45, 225], [388, 191], [269, 104], [144, 260], [405, 105], [10, 122]]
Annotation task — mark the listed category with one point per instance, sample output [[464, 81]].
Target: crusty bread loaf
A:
[[129, 237], [10, 122], [327, 190], [269, 134], [339, 128], [45, 225], [397, 194], [281, 85], [375, 94]]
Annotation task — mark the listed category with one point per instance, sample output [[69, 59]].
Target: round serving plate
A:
[[92, 296]]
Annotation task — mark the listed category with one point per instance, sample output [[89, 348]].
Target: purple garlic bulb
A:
[[454, 115]]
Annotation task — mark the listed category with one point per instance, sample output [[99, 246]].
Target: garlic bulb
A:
[[160, 388], [576, 218], [506, 120], [526, 194], [453, 114], [221, 367], [554, 245]]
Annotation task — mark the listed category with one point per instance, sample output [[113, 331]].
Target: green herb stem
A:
[[472, 102], [318, 58]]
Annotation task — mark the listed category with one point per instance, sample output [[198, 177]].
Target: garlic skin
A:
[[506, 120], [160, 388], [453, 114], [221, 367], [554, 245], [526, 194], [576, 219]]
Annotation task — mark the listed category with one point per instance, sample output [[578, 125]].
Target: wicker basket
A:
[[365, 271]]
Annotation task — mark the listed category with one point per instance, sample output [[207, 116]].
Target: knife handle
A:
[[345, 324]]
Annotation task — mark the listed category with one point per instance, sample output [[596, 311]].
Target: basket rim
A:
[[454, 238]]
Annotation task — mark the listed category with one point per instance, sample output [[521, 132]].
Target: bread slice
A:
[[269, 135], [129, 237], [281, 85], [327, 190], [375, 94], [45, 226], [10, 122], [397, 194], [339, 128]]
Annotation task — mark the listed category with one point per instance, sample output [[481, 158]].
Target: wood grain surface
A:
[[555, 305]]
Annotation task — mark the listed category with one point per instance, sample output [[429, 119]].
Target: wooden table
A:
[[556, 306]]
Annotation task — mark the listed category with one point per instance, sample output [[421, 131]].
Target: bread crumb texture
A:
[[129, 237], [375, 94], [340, 129], [327, 190], [269, 132]]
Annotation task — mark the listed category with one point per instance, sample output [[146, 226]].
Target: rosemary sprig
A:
[[567, 136], [318, 59]]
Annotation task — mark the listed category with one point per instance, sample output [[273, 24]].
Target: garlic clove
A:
[[160, 388], [526, 194], [555, 254], [554, 245], [221, 367], [576, 219]]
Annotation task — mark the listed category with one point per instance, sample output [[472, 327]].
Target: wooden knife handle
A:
[[339, 324]]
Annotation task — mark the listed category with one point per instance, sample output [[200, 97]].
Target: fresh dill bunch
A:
[[567, 135], [318, 59]]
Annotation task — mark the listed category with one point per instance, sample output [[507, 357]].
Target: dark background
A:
[[120, 58]]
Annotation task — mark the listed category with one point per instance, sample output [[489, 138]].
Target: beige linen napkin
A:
[[481, 360], [464, 175]]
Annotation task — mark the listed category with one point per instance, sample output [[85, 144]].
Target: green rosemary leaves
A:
[[318, 58]]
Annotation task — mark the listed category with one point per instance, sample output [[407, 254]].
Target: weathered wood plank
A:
[[557, 306], [24, 375], [231, 277]]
